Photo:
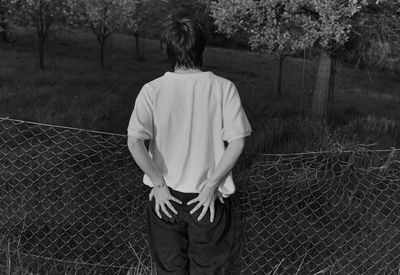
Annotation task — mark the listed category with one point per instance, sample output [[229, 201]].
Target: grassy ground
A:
[[73, 91]]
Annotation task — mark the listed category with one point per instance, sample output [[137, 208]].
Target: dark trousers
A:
[[183, 245]]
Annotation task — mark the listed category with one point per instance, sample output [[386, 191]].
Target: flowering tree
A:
[[43, 15], [103, 17], [330, 24], [286, 26], [335, 23], [272, 27]]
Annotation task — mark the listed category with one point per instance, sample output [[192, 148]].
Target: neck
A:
[[184, 70]]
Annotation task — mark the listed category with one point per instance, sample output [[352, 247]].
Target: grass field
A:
[[73, 91]]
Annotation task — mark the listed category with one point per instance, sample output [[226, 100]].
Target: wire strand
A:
[[248, 153], [62, 127]]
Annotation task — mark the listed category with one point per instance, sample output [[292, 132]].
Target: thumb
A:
[[220, 197], [151, 195]]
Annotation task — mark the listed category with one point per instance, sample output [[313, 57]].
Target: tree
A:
[[4, 23], [104, 18], [43, 15], [280, 26], [336, 22], [272, 27], [375, 34], [146, 15], [330, 21]]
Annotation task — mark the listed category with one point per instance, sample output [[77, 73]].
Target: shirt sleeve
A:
[[141, 122], [235, 122]]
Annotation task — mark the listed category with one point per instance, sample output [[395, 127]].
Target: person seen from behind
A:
[[187, 114]]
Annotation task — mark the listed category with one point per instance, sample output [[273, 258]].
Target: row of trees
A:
[[279, 27], [285, 27], [102, 17]]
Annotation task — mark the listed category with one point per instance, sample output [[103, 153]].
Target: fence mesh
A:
[[72, 200]]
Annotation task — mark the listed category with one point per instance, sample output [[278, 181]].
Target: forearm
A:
[[227, 161], [143, 160]]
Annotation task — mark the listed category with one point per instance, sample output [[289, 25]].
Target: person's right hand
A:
[[163, 197]]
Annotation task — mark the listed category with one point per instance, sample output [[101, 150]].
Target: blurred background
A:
[[312, 75]]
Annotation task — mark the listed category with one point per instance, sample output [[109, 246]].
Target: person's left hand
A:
[[206, 199]]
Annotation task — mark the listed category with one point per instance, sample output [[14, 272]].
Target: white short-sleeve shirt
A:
[[187, 117]]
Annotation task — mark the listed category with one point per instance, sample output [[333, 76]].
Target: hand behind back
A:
[[206, 199], [163, 197]]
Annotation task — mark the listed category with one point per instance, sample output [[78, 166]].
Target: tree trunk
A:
[[334, 68], [137, 44], [143, 55], [323, 90], [109, 52], [102, 46], [42, 28], [280, 73], [41, 53]]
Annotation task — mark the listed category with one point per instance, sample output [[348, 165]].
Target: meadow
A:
[[73, 91]]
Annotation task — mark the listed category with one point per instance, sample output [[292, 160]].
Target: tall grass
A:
[[73, 91], [294, 135]]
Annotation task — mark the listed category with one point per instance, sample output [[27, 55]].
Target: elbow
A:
[[238, 143], [130, 146], [133, 143]]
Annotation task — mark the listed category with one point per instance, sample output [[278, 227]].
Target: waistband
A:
[[184, 197]]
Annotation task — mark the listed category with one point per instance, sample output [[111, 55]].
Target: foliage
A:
[[42, 14], [103, 17], [5, 6], [196, 8], [141, 16], [375, 35], [286, 26]]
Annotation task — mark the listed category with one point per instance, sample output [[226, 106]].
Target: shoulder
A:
[[156, 82], [222, 86], [226, 86], [153, 84], [150, 88], [221, 80]]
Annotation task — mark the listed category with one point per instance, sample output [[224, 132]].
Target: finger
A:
[[164, 209], [170, 206], [175, 199], [151, 195], [212, 212], [203, 213], [221, 199], [196, 208], [158, 210], [192, 201]]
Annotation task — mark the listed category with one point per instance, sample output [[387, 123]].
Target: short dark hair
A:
[[184, 40]]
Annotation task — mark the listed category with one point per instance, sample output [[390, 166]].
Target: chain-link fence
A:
[[72, 201]]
